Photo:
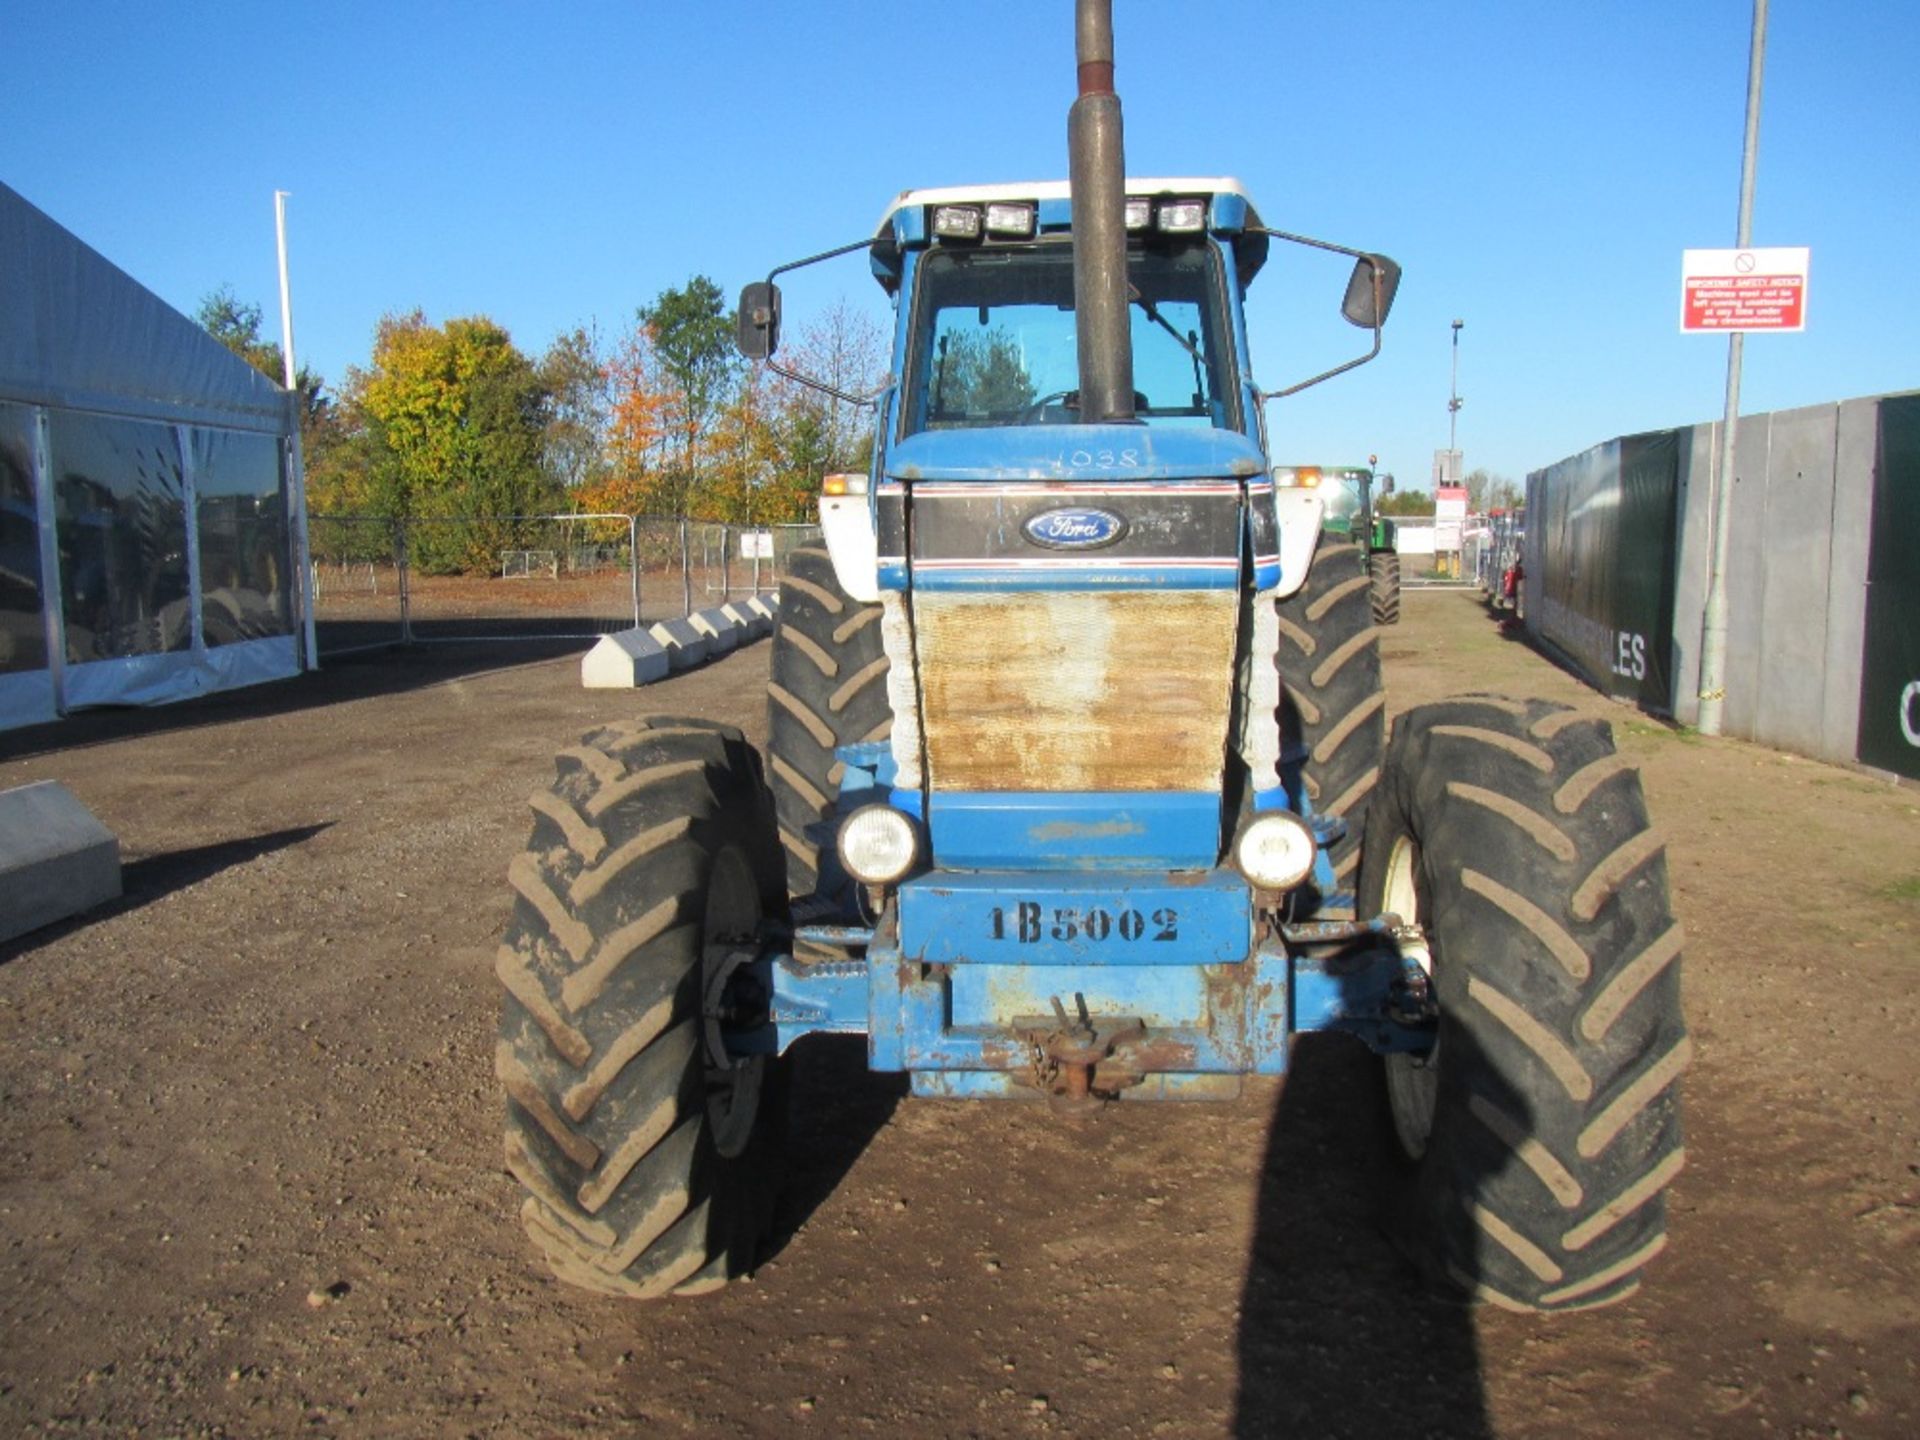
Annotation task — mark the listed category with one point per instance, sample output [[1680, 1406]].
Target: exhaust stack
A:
[[1097, 173]]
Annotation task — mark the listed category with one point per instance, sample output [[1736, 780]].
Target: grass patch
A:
[[1907, 889], [1850, 784], [1685, 734]]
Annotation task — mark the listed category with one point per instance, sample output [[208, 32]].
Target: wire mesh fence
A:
[[381, 580]]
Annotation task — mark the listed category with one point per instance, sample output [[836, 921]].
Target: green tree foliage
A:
[[236, 325], [456, 419], [1406, 502], [691, 333], [580, 390]]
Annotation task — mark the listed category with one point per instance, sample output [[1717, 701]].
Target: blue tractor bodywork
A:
[[1074, 615]]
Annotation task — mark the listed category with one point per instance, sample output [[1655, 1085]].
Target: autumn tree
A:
[[633, 479], [457, 418], [813, 432]]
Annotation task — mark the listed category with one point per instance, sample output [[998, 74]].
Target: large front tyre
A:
[[1541, 1133], [649, 1158], [827, 687], [1332, 700], [1383, 568]]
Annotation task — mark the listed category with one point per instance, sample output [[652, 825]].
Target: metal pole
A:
[[633, 565], [1453, 397], [686, 571], [1097, 177], [1713, 622], [296, 452]]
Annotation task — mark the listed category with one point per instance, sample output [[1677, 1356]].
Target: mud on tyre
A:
[[1331, 699], [649, 1161], [1541, 1134], [827, 688]]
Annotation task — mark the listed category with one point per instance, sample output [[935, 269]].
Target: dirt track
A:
[[252, 1184]]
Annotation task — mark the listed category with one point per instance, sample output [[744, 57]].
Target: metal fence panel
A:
[[381, 581], [546, 577], [356, 563]]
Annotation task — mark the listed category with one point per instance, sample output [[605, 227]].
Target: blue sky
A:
[[1537, 168]]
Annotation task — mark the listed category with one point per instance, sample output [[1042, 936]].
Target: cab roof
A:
[[1230, 213], [1039, 190]]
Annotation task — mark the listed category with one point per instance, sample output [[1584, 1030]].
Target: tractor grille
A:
[[1066, 691]]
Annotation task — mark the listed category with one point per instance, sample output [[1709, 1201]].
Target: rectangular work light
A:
[[956, 222], [1183, 217], [1004, 218]]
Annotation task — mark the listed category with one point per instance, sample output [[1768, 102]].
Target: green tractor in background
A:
[[1349, 496]]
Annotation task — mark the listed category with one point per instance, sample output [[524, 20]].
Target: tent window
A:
[[23, 632], [119, 499], [243, 536]]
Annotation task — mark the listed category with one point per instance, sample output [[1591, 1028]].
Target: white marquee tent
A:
[[149, 499]]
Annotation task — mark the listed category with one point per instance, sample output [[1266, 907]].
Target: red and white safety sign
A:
[[1724, 290]]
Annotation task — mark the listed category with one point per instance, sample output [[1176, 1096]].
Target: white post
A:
[[296, 455], [1713, 620]]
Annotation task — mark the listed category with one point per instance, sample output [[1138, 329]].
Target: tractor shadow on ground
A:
[[839, 1105], [1339, 1335], [153, 877]]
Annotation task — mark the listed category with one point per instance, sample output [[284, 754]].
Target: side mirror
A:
[[758, 334], [1386, 484], [1370, 292]]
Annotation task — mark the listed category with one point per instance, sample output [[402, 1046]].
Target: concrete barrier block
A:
[[622, 660], [56, 859], [765, 606], [685, 645], [752, 624], [722, 630]]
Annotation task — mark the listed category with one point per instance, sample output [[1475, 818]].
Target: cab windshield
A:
[[994, 340]]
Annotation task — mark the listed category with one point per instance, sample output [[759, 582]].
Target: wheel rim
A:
[[733, 1083], [1413, 1081]]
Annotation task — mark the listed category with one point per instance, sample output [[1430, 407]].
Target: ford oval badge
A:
[[1074, 529]]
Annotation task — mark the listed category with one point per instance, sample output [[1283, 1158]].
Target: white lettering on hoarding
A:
[[1629, 655]]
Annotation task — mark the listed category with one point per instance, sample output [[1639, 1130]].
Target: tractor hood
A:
[[1074, 454]]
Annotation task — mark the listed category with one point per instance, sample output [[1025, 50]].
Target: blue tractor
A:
[[1078, 790]]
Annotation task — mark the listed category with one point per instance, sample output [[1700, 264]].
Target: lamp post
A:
[[1713, 620], [1454, 401]]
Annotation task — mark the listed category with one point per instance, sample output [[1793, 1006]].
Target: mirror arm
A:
[[832, 254], [777, 368], [1263, 396], [1308, 240]]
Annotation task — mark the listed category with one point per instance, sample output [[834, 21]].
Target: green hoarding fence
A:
[[1890, 672], [1605, 594]]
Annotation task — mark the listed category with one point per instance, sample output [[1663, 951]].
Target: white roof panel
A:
[[1060, 190]]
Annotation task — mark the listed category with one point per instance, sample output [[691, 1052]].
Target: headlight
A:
[[1139, 212], [1296, 477], [1275, 851], [878, 844]]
